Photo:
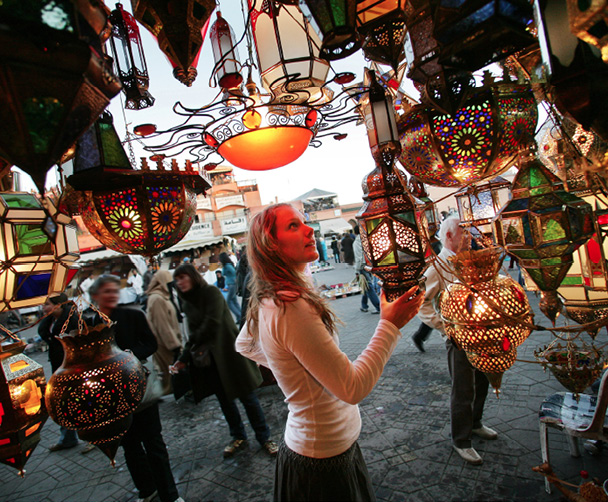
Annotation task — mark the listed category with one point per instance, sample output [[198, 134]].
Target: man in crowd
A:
[[368, 290], [469, 385]]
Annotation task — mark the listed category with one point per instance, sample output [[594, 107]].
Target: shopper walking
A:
[[229, 272], [347, 248], [162, 317], [367, 282], [145, 451], [291, 330], [336, 249], [214, 365]]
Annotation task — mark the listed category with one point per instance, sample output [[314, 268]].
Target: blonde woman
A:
[[292, 331]]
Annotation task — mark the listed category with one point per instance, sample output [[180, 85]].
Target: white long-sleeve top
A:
[[321, 385], [434, 285]]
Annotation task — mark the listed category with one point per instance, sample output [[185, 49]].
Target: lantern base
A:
[[108, 438], [586, 313], [394, 291], [550, 305], [495, 380], [186, 77]]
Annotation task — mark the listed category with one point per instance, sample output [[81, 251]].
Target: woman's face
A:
[[48, 307], [108, 295], [295, 238], [183, 283]]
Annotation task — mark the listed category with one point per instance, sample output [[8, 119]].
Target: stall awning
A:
[[186, 245], [335, 225], [103, 254]]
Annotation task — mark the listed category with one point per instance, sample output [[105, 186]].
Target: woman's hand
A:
[[177, 367], [402, 310]]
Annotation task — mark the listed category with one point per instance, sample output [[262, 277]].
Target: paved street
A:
[[405, 437]]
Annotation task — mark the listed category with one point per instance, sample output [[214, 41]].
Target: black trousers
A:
[[147, 457], [423, 332], [254, 412]]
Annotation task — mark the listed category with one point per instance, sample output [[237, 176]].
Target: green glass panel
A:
[[43, 117], [409, 217], [372, 224], [113, 152], [540, 191], [522, 180], [547, 262], [337, 7], [538, 177], [553, 230], [572, 281], [31, 240], [525, 254], [513, 231], [389, 259], [20, 201]]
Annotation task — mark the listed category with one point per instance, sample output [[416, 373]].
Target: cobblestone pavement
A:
[[405, 437]]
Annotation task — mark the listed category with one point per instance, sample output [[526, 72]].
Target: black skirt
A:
[[340, 478]]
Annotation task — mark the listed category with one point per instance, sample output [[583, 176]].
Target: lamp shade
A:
[[479, 141], [22, 410], [225, 55]]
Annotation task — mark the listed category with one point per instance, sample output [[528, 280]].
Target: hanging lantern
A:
[[475, 33], [128, 52], [542, 225], [336, 22], [487, 316], [479, 204], [288, 53], [479, 141], [179, 27], [22, 410], [588, 20], [418, 191], [225, 55], [392, 231], [37, 248], [382, 26], [54, 84], [96, 389]]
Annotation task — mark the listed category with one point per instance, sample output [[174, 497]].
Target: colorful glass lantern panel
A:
[[478, 205], [479, 141]]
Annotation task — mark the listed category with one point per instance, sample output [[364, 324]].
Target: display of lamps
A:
[[179, 27], [38, 247], [542, 225], [54, 84], [479, 141], [225, 55], [588, 21], [96, 388], [475, 33], [129, 58], [336, 21], [479, 204], [288, 53], [488, 315], [22, 410]]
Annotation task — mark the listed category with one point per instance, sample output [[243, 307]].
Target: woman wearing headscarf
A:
[[162, 318]]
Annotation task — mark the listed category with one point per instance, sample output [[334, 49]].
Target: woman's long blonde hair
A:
[[270, 273]]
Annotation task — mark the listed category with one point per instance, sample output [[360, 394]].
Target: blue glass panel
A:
[[30, 286]]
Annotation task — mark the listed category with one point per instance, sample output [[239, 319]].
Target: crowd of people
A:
[[206, 343]]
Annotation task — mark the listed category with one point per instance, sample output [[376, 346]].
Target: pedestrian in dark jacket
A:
[[56, 308], [145, 451], [336, 249], [214, 365], [347, 249]]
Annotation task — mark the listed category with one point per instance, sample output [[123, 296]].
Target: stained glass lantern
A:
[[22, 410], [38, 248], [382, 26], [179, 28], [225, 55], [288, 52], [54, 83], [129, 58], [488, 315], [392, 231], [478, 142], [418, 191], [542, 225], [97, 387], [475, 33], [336, 21], [479, 204], [588, 21]]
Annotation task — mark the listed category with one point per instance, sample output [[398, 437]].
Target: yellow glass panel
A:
[[18, 365]]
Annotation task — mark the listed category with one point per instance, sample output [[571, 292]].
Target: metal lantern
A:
[[179, 27], [487, 316], [475, 33], [22, 410], [54, 83], [479, 141], [542, 225], [336, 21], [392, 231], [588, 20], [128, 52], [418, 191], [97, 387], [288, 52], [37, 248], [479, 204], [225, 55]]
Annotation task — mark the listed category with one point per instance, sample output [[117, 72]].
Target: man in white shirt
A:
[[469, 385]]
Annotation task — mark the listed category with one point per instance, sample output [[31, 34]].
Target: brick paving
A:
[[405, 437]]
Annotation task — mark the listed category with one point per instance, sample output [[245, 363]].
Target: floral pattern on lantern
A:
[[479, 141], [97, 387], [22, 410], [488, 316]]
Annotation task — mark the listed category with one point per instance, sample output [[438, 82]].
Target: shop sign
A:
[[199, 231], [203, 202], [232, 200], [234, 225]]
